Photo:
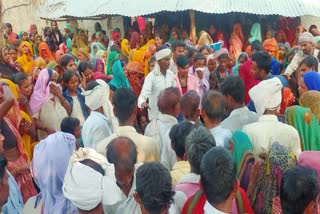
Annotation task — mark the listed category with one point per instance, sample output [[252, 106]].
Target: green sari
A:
[[307, 125], [111, 58]]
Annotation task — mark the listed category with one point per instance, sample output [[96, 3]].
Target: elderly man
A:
[[198, 143], [190, 106], [307, 46], [124, 107], [267, 97], [233, 91], [155, 82], [98, 125], [271, 46], [122, 153], [213, 108], [159, 128]]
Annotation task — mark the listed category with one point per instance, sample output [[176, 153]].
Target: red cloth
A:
[[248, 79]]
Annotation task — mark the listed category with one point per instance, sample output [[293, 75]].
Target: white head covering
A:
[[307, 37], [266, 95], [86, 187], [50, 161], [163, 53], [99, 97]]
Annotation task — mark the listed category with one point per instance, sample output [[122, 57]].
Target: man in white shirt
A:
[[190, 106], [155, 82], [159, 128], [213, 108], [178, 48], [267, 98], [125, 109], [233, 90], [97, 126], [198, 70], [153, 193]]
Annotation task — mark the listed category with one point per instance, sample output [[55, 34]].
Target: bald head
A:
[[190, 103], [169, 101], [122, 152]]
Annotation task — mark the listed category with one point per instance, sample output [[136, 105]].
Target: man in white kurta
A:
[[155, 82], [268, 130]]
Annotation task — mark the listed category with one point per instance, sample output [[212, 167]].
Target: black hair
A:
[[18, 78], [12, 47], [65, 59], [223, 56], [191, 52], [177, 44], [310, 61], [214, 105], [154, 187], [3, 164], [312, 27], [84, 66], [218, 174], [69, 124], [151, 60], [8, 25], [122, 152], [204, 48], [178, 135], [234, 87], [67, 75], [115, 48], [93, 165], [198, 56], [198, 142], [182, 61], [124, 103], [97, 26], [10, 140], [91, 85], [263, 60], [299, 187], [256, 45]]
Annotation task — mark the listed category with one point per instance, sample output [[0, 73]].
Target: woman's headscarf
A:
[[99, 62], [32, 28], [311, 159], [69, 27], [41, 91], [40, 63], [306, 124], [119, 80], [272, 45], [236, 67], [311, 99], [312, 80], [52, 65], [242, 151], [111, 57], [58, 55], [81, 43], [124, 48], [204, 39], [135, 75], [255, 33], [44, 46], [50, 161], [236, 41], [84, 52], [25, 61], [86, 187], [134, 40]]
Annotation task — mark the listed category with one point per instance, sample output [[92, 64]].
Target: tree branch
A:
[[15, 6]]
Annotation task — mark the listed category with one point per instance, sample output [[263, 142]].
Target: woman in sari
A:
[[311, 99], [49, 168], [265, 177], [26, 59], [119, 80], [13, 146], [111, 57], [310, 159], [307, 125], [100, 42], [204, 39], [81, 41], [103, 56], [309, 81], [242, 152], [236, 41], [83, 55], [54, 66], [99, 66], [135, 75], [125, 48], [45, 52], [242, 58], [255, 33], [47, 103], [134, 40]]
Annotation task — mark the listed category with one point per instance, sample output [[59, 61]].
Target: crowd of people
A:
[[150, 123]]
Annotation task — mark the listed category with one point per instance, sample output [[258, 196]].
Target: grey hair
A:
[[198, 142], [214, 105]]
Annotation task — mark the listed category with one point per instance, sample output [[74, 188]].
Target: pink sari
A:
[[236, 41]]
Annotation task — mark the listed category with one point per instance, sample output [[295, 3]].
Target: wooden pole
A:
[[193, 34], [2, 41]]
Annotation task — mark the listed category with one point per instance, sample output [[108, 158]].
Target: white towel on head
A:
[[86, 187], [162, 54], [267, 95]]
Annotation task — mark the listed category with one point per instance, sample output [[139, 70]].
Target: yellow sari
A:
[[24, 60], [26, 138]]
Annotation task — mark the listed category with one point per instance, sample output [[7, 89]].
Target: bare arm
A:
[[6, 100]]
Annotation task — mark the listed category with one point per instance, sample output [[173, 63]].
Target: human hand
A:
[[55, 90], [145, 105], [24, 127]]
